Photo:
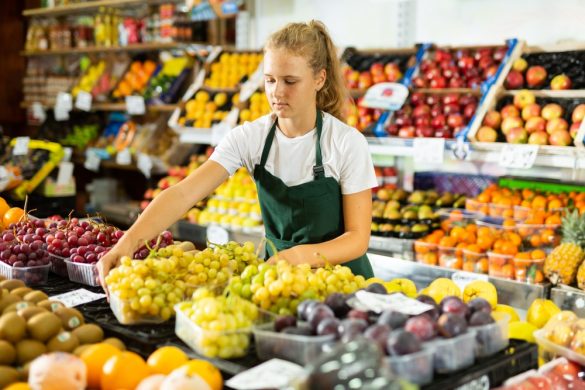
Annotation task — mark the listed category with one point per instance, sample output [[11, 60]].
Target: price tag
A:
[[92, 161], [65, 173], [83, 101], [77, 297], [64, 101], [518, 156], [4, 179], [61, 114], [217, 235], [67, 153], [385, 96], [462, 278], [123, 157], [144, 164], [580, 137], [38, 112], [135, 105], [253, 83], [429, 150], [20, 146], [273, 374], [394, 302]]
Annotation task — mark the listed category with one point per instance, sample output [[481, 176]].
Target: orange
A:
[[94, 358], [483, 265], [468, 238], [474, 248], [12, 215], [535, 240], [166, 359], [539, 202], [4, 207], [448, 241], [508, 248], [509, 222], [457, 232], [508, 271], [515, 238], [554, 219], [523, 255], [207, 371], [18, 386], [527, 193], [555, 204], [538, 277], [456, 215], [483, 198], [123, 371], [537, 254]]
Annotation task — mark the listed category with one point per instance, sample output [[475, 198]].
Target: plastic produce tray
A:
[[83, 273], [30, 275], [58, 265]]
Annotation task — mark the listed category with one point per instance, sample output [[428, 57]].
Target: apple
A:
[[535, 76], [535, 124], [578, 113], [419, 82], [556, 124], [492, 119], [392, 129], [551, 110], [466, 99], [456, 82], [444, 132], [517, 135], [560, 138], [490, 71], [574, 129], [379, 78], [500, 53], [432, 73], [474, 82], [451, 98], [436, 110], [438, 82], [531, 110], [444, 64], [520, 65], [514, 80], [439, 121], [510, 111], [451, 109], [483, 52], [431, 100], [466, 62], [407, 132], [353, 79], [469, 110], [524, 98], [487, 134], [422, 121], [427, 64], [449, 71], [510, 123], [377, 68], [560, 82], [424, 131], [485, 62], [392, 71], [422, 110], [365, 80], [442, 55], [403, 121], [417, 98], [538, 138], [455, 120]]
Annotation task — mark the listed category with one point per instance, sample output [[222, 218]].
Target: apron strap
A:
[[268, 144]]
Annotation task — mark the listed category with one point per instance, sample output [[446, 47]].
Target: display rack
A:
[[88, 6], [569, 298]]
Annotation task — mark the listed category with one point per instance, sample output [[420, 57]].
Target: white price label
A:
[[67, 153], [462, 278], [21, 146], [61, 114], [481, 383], [65, 173], [38, 112], [394, 302], [252, 84], [518, 156], [580, 137], [92, 161], [429, 150], [144, 164], [64, 101], [385, 96], [77, 297], [273, 374], [135, 105], [123, 157], [83, 101], [217, 235]]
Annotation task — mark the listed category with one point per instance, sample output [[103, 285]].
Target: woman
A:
[[314, 173]]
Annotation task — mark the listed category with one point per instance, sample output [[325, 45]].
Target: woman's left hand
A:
[[294, 255]]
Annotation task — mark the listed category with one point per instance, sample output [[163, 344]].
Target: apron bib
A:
[[307, 213]]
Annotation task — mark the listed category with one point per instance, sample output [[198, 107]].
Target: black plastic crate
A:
[[519, 357]]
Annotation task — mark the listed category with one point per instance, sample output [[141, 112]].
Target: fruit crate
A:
[[468, 184]]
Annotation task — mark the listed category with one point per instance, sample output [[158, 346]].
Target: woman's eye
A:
[[269, 81], [290, 82]]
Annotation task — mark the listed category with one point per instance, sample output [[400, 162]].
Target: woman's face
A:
[[290, 84]]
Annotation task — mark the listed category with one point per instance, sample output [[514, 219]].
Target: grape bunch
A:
[[225, 324], [279, 288], [22, 244]]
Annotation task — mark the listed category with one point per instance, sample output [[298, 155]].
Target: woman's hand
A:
[[106, 263], [295, 255]]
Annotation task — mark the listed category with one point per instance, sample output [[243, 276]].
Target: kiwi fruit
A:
[[30, 311], [70, 318], [27, 350], [12, 327], [116, 343], [50, 305], [12, 284], [89, 334], [7, 353], [36, 297], [43, 326], [7, 300], [21, 291], [8, 375], [23, 371], [79, 350], [14, 307], [64, 342]]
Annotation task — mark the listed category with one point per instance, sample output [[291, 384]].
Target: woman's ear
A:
[[320, 79]]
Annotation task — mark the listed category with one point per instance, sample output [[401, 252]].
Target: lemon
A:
[[522, 330], [540, 311], [505, 309]]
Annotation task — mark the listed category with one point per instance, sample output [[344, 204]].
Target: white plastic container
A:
[[58, 265], [83, 273], [454, 354], [416, 367], [30, 275], [126, 316], [491, 338], [556, 349]]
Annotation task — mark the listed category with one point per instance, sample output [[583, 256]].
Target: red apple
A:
[[377, 68], [442, 55], [455, 120], [530, 111], [451, 109], [425, 131], [422, 110], [419, 82], [560, 82], [469, 110], [417, 98], [552, 110], [556, 124], [511, 122], [578, 113], [379, 78], [490, 71], [436, 110], [474, 82], [403, 121], [520, 65], [363, 111], [487, 134], [485, 62], [439, 121], [510, 111], [466, 62], [574, 129], [422, 121], [492, 119], [438, 82], [431, 100], [535, 124], [450, 71], [444, 64], [514, 80], [467, 99], [407, 132], [538, 138], [392, 130], [353, 79], [365, 80], [483, 52], [427, 64], [444, 132], [456, 82], [392, 71], [535, 76], [500, 53], [517, 135], [451, 98], [432, 73], [560, 138], [524, 98]]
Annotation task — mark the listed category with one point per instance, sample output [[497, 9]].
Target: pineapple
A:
[[562, 263]]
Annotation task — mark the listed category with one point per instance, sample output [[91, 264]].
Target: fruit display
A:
[[135, 79], [9, 215], [232, 68], [526, 119], [259, 106], [207, 108], [164, 85], [563, 335], [458, 68], [557, 374], [359, 116], [89, 80], [433, 115], [361, 70], [563, 264], [548, 70]]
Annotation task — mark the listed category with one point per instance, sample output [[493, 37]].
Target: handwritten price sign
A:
[[518, 156]]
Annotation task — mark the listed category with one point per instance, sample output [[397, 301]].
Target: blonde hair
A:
[[312, 41]]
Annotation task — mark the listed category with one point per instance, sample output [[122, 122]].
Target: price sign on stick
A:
[[518, 156], [135, 105], [429, 150], [83, 101]]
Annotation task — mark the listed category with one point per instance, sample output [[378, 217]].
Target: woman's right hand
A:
[[105, 264]]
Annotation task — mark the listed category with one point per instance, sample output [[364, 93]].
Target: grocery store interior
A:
[[463, 121]]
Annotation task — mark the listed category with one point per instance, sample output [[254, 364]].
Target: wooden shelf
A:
[[88, 6], [118, 107], [98, 49]]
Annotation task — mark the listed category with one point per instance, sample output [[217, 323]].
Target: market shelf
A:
[[569, 298], [185, 230], [124, 213], [510, 292], [117, 107], [100, 49], [88, 6]]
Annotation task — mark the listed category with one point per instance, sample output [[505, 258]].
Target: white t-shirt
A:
[[344, 151]]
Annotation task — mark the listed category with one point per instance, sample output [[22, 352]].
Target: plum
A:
[[284, 322], [377, 288], [338, 303], [379, 334], [479, 304], [480, 318], [422, 326], [303, 308], [454, 305], [350, 328], [319, 312], [328, 326], [402, 342], [393, 319], [358, 314], [451, 325], [433, 313]]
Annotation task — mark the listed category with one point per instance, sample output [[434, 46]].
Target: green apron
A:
[[307, 213]]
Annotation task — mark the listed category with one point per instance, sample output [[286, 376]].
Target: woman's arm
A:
[[353, 243]]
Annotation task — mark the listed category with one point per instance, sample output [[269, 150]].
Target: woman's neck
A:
[[298, 126]]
